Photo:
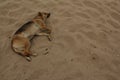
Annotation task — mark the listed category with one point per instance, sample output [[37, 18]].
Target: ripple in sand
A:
[[93, 5]]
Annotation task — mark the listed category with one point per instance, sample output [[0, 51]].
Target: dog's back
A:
[[28, 30], [24, 27]]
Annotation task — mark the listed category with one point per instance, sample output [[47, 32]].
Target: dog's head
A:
[[43, 16]]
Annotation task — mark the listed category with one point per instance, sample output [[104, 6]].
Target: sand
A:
[[85, 46]]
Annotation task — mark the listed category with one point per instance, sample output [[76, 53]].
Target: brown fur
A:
[[21, 39]]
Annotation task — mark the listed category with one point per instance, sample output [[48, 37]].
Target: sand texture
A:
[[85, 46]]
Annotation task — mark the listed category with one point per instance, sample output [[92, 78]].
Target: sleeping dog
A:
[[21, 40]]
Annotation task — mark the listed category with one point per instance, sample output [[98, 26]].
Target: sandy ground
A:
[[85, 46]]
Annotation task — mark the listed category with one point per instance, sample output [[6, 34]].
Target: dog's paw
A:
[[28, 58], [49, 38], [34, 54]]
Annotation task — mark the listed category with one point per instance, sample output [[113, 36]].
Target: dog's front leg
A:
[[42, 34], [49, 37], [45, 34]]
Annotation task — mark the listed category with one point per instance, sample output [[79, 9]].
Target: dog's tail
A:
[[12, 46]]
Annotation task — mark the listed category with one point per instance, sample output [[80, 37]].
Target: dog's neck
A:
[[39, 22]]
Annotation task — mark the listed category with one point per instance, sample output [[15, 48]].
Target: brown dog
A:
[[21, 39]]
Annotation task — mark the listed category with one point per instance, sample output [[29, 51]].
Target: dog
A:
[[21, 40]]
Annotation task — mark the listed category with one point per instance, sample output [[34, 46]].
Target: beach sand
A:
[[85, 45]]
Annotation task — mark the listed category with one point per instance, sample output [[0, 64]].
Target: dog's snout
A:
[[48, 15]]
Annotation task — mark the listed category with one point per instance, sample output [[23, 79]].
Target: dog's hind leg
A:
[[27, 51], [34, 54], [20, 52], [28, 56]]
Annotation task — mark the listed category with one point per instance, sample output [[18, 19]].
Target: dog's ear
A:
[[39, 14]]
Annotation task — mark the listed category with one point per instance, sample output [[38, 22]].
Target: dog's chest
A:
[[31, 31]]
